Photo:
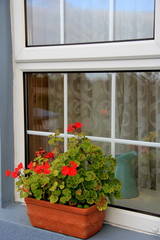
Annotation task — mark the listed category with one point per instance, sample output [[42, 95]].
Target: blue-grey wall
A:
[[6, 105]]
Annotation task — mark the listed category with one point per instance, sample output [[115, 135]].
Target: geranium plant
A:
[[81, 176]]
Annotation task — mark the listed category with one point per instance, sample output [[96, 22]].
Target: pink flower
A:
[[104, 111]]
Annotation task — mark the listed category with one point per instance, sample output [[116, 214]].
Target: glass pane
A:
[[138, 106], [139, 171], [86, 21], [106, 147], [43, 22], [134, 19], [45, 101], [89, 102], [36, 142]]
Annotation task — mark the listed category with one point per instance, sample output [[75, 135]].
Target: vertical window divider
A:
[[113, 112], [62, 21], [111, 19], [65, 110]]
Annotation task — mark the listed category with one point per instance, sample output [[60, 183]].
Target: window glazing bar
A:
[[62, 21], [113, 112], [65, 110], [111, 19]]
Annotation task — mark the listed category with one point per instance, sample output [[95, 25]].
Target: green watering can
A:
[[124, 172]]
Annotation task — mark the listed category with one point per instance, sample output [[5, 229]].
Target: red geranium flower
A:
[[46, 165], [49, 155], [16, 170], [65, 170], [72, 171], [37, 154], [38, 169], [8, 173], [42, 151], [73, 164], [43, 168], [14, 174], [30, 165], [20, 166], [71, 127], [78, 125], [47, 171]]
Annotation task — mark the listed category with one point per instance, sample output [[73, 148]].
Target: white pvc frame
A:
[[124, 56]]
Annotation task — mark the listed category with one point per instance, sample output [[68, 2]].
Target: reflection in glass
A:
[[134, 19], [89, 102], [45, 101], [138, 106], [140, 176], [43, 22], [86, 21]]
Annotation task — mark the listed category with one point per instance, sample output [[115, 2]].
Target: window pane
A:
[[43, 22], [139, 171], [105, 146], [86, 21], [134, 19], [138, 106], [89, 102], [45, 101]]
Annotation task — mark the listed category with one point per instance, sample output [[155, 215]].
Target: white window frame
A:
[[119, 56]]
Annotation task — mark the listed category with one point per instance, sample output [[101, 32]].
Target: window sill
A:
[[14, 222]]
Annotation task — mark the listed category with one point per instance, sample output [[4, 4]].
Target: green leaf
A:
[[90, 176], [23, 194], [45, 180], [54, 186], [53, 198], [38, 194], [66, 191]]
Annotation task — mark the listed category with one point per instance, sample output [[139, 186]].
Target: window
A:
[[88, 99], [68, 21], [123, 67]]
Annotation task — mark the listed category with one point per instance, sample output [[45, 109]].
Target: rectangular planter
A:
[[73, 221]]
